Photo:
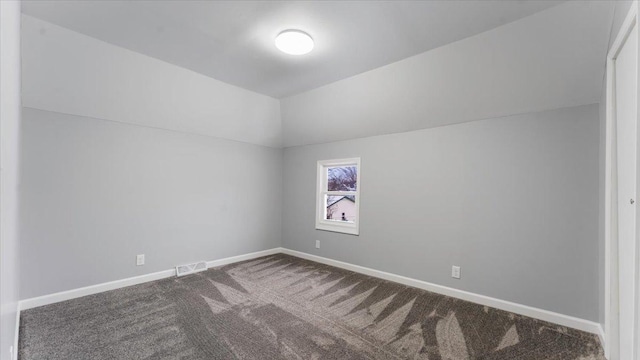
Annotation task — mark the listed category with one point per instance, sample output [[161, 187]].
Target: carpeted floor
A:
[[283, 307]]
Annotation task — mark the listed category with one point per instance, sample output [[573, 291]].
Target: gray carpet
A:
[[283, 307]]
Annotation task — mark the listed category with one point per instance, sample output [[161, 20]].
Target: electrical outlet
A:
[[317, 244], [455, 272], [140, 259]]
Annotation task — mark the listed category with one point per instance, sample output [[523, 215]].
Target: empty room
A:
[[434, 180]]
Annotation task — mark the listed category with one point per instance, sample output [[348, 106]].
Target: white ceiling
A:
[[232, 41], [550, 60]]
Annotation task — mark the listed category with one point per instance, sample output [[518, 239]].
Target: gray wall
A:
[[95, 193], [601, 217], [112, 167], [513, 201], [9, 176]]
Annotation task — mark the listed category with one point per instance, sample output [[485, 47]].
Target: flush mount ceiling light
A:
[[294, 42]]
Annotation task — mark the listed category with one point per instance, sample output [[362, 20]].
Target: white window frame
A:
[[321, 190]]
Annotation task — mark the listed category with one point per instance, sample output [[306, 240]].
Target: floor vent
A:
[[187, 269]]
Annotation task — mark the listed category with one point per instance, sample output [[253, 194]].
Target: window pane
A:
[[342, 178], [341, 208]]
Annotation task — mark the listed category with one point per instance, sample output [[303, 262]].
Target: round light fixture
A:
[[294, 42]]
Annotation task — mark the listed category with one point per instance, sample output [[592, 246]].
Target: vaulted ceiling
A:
[[232, 41]]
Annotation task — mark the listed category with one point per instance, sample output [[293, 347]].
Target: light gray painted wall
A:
[[601, 194], [71, 73], [95, 193], [103, 180], [9, 176], [549, 60], [513, 201]]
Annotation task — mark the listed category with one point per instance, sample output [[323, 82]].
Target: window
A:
[[338, 196]]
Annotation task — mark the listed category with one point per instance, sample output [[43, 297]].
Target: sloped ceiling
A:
[[550, 60], [232, 41], [379, 67]]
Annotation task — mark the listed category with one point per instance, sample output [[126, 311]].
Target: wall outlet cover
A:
[[455, 272], [140, 259], [317, 244]]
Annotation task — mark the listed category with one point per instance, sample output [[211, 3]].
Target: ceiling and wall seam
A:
[[125, 123], [447, 125]]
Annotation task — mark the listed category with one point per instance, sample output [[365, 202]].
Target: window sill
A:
[[350, 229]]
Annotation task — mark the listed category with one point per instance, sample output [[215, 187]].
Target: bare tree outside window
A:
[[342, 178]]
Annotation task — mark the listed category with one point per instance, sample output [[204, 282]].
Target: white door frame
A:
[[611, 340]]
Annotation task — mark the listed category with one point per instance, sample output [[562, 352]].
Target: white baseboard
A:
[[545, 315], [234, 259], [93, 289], [117, 284], [556, 318]]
